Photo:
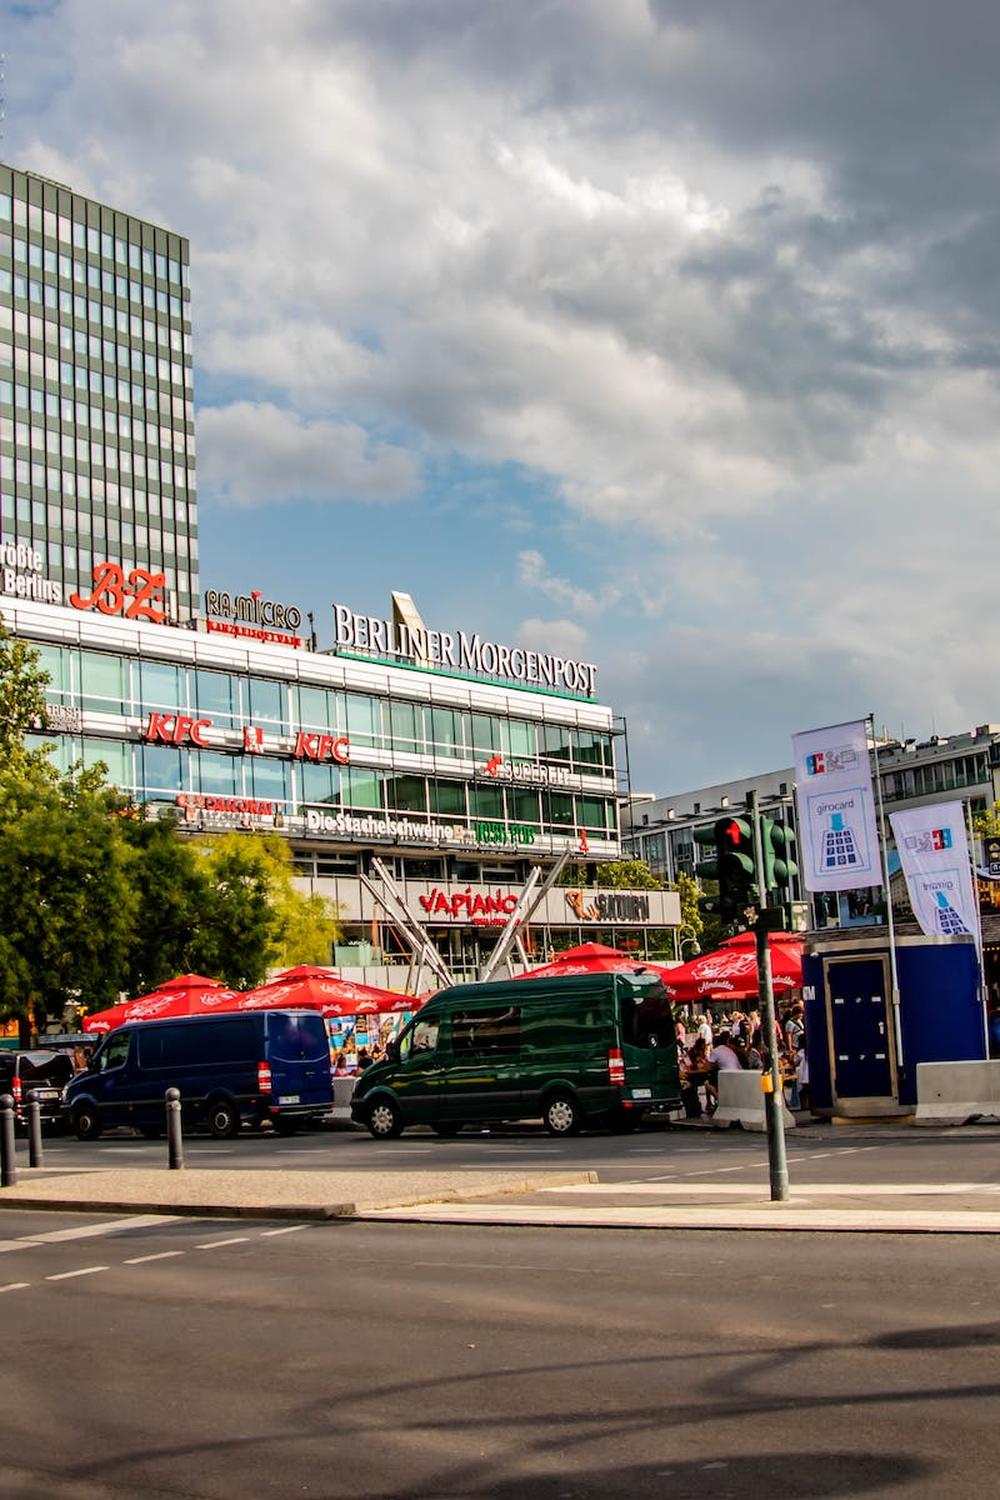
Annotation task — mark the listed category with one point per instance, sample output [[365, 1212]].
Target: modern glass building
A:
[[96, 399], [458, 786]]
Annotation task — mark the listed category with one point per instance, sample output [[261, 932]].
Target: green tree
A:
[[306, 926], [235, 939], [254, 916], [692, 922], [66, 907], [628, 875], [987, 824], [22, 709], [170, 886]]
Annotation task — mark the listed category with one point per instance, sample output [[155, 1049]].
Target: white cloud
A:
[[532, 571], [252, 453], [679, 263], [562, 637]]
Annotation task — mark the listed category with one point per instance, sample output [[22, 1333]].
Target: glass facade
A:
[[97, 448], [428, 764]]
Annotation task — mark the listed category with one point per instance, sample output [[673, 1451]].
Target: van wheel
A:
[[284, 1126], [625, 1121], [223, 1120], [384, 1120], [562, 1115], [86, 1122], [448, 1127]]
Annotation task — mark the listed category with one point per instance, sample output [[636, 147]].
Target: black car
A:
[[44, 1073]]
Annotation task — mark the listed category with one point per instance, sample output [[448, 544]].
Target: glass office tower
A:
[[96, 397]]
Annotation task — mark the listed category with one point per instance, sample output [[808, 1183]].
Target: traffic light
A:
[[707, 869], [779, 857], [736, 866]]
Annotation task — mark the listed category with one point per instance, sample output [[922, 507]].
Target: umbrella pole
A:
[[774, 1097]]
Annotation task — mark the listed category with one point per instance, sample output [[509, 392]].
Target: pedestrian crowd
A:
[[735, 1041]]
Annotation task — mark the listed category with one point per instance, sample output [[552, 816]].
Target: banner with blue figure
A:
[[838, 838], [934, 854]]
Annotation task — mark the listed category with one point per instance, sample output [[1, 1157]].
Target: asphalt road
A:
[[194, 1359]]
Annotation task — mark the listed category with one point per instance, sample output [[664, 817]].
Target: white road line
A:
[[84, 1271], [142, 1260], [93, 1231], [239, 1239], [291, 1229], [14, 1286]]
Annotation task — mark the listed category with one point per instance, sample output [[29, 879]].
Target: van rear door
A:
[[298, 1052], [648, 1044]]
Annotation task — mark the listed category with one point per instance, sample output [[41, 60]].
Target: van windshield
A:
[[421, 1038], [646, 1016]]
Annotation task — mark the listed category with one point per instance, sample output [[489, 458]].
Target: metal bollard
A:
[[34, 1130], [8, 1164], [175, 1143]]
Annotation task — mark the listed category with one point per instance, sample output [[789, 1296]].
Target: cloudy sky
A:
[[663, 333]]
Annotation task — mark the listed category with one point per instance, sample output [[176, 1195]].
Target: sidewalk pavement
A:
[[265, 1194]]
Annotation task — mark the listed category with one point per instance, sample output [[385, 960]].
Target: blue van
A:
[[259, 1065]]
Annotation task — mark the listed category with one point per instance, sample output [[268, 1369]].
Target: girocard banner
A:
[[838, 833], [934, 853]]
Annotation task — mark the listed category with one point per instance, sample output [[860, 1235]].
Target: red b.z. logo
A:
[[140, 598]]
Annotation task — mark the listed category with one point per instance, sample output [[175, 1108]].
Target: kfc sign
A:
[[184, 729], [321, 747], [177, 729]]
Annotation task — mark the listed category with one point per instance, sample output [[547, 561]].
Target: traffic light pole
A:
[[771, 1077]]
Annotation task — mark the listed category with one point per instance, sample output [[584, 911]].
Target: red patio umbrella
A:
[[313, 988], [564, 966], [585, 951], [730, 973], [187, 995]]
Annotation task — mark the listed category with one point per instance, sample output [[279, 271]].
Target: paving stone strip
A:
[[264, 1194]]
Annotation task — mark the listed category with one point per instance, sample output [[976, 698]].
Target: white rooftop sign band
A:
[[460, 651]]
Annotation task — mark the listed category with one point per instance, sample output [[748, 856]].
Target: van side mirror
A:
[[392, 1051]]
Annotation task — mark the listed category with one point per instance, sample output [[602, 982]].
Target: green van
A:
[[596, 1049]]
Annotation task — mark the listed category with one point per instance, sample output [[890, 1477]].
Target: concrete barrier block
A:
[[954, 1093], [741, 1101], [343, 1092]]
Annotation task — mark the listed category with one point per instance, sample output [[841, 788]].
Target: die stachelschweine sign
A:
[[461, 651]]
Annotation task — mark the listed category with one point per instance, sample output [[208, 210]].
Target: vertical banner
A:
[[838, 838], [934, 853]]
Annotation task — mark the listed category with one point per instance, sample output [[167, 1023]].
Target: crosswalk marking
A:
[[94, 1231]]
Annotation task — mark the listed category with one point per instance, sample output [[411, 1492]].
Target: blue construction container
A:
[[855, 1065]]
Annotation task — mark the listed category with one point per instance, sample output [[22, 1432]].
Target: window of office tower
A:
[[95, 371]]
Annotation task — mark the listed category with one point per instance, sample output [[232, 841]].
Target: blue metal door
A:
[[860, 1020]]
